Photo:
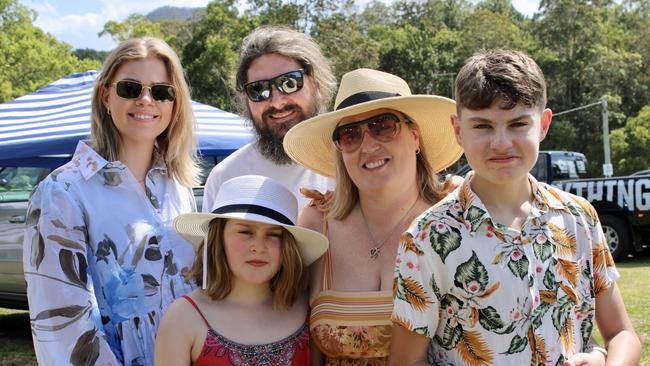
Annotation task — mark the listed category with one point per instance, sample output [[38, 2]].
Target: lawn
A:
[[16, 342]]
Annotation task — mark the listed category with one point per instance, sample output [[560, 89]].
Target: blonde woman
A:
[[102, 261], [384, 146]]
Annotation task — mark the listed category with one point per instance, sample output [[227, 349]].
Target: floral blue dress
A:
[[102, 261]]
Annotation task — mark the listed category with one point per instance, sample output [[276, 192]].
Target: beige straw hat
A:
[[362, 90]]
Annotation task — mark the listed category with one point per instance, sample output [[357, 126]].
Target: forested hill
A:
[[172, 13]]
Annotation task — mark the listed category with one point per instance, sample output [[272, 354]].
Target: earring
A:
[[417, 151], [108, 111]]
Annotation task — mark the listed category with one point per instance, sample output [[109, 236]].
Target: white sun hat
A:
[[258, 199]]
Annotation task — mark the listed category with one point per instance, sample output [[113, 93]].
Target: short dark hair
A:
[[508, 76]]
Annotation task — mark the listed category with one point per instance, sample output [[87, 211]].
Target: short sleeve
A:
[[415, 306], [604, 269], [65, 319]]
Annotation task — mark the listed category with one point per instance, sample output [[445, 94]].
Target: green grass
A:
[[16, 340], [16, 346], [635, 288]]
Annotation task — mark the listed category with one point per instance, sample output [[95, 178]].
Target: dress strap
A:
[[197, 310], [327, 276]]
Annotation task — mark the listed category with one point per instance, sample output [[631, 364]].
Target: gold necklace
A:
[[375, 250]]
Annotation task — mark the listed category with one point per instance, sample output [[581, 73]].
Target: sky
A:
[[78, 22]]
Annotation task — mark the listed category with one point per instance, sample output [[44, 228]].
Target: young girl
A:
[[252, 265]]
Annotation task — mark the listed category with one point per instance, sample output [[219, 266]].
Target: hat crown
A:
[[256, 190], [368, 80]]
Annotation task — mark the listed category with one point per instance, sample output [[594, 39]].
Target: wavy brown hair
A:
[[291, 279]]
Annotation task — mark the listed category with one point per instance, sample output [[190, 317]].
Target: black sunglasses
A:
[[287, 83], [131, 89], [383, 127]]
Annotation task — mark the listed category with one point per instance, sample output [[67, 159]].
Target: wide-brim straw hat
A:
[[362, 90], [258, 199]]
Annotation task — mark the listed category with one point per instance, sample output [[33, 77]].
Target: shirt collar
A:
[[90, 162]]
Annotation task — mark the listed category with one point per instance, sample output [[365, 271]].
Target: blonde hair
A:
[[176, 144], [292, 44], [346, 193], [291, 279]]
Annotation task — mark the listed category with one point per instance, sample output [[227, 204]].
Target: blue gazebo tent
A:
[[43, 128]]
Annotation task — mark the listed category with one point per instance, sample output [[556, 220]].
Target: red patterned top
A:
[[220, 351]]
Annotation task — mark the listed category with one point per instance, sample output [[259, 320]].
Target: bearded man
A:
[[282, 79]]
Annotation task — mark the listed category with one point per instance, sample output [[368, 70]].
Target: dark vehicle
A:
[[16, 185], [622, 203]]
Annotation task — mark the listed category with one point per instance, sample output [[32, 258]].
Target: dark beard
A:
[[269, 141]]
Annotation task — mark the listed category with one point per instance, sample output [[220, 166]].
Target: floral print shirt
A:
[[102, 261], [487, 294]]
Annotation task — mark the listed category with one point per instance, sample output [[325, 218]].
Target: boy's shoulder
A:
[[560, 200]]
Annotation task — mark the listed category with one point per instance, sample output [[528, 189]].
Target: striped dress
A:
[[351, 327]]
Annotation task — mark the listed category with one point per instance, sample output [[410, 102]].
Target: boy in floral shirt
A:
[[506, 270]]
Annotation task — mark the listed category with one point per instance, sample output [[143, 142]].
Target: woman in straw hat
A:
[[252, 264], [384, 146]]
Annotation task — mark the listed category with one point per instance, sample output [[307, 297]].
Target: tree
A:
[[136, 25], [631, 144], [587, 54], [29, 58], [211, 55]]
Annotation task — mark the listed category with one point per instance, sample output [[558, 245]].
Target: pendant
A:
[[375, 252]]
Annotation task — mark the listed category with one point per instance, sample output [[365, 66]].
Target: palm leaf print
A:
[[601, 257], [548, 296], [566, 243], [473, 349], [404, 323], [570, 292], [415, 294], [409, 246], [568, 269], [554, 193], [537, 348], [465, 197], [490, 290], [567, 338], [586, 207], [600, 285]]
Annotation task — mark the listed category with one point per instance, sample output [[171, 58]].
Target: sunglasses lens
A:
[[163, 92], [287, 83], [128, 89], [258, 91], [290, 82], [384, 127], [348, 138]]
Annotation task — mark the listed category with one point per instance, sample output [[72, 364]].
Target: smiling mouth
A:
[[375, 164], [143, 116]]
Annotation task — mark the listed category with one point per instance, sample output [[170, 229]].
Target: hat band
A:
[[254, 209], [363, 97]]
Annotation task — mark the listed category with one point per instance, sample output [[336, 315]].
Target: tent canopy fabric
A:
[[43, 128]]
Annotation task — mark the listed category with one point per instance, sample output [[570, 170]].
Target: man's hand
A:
[[593, 358]]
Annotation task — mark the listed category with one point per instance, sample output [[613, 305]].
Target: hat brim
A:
[[194, 227], [310, 142]]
